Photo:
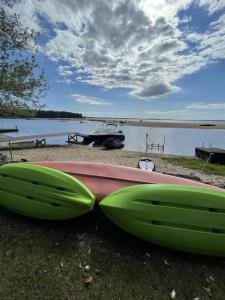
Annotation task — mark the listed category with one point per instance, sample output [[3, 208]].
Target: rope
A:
[[210, 155]]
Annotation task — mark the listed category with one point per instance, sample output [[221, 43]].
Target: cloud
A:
[[154, 90], [89, 100], [212, 5], [211, 106], [64, 71], [139, 45]]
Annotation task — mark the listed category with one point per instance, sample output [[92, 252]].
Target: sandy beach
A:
[[148, 123], [100, 154]]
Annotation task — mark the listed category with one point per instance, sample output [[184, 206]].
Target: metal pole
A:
[[10, 150]]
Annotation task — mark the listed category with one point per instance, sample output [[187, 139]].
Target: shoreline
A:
[[147, 123], [207, 124], [101, 155]]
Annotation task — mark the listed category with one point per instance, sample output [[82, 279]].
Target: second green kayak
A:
[[43, 193], [181, 217]]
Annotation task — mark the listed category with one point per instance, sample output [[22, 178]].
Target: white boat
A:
[[106, 131]]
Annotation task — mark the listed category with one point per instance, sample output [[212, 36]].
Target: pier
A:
[[5, 130], [40, 139]]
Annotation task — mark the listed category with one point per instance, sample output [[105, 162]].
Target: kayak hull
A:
[[181, 217], [103, 179], [43, 193]]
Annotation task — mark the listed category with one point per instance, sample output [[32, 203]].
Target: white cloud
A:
[[134, 44], [212, 5], [165, 113], [202, 105], [64, 71], [89, 100], [186, 19]]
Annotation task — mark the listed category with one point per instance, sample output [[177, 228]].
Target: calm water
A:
[[179, 141]]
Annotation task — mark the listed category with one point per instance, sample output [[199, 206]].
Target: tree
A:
[[22, 81]]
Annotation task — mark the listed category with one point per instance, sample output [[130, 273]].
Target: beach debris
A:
[[62, 263], [173, 294], [87, 268], [89, 280], [80, 265], [166, 263], [211, 278], [196, 298], [148, 255], [89, 251], [208, 290]]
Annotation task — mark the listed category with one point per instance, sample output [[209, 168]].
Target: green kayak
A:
[[43, 193], [182, 217]]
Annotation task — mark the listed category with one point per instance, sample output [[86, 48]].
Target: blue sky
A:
[[138, 58]]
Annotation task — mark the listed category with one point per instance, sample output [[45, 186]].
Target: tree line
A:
[[39, 114]]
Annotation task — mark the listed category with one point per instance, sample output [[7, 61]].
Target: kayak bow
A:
[[43, 193], [186, 218]]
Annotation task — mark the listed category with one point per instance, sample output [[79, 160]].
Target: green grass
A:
[[46, 260], [197, 164]]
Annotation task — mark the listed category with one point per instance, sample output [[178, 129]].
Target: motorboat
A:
[[106, 131]]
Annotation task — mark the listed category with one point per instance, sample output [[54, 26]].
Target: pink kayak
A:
[[103, 179]]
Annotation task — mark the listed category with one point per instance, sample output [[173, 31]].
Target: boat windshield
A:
[[110, 127]]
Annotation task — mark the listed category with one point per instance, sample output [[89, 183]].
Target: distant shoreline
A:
[[147, 123], [207, 124]]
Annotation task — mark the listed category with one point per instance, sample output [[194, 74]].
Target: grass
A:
[[47, 260], [90, 258], [197, 164]]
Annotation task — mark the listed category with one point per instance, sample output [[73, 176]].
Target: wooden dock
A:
[[40, 139], [213, 155], [5, 130]]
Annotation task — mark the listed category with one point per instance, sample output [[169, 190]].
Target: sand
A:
[[99, 154], [148, 123]]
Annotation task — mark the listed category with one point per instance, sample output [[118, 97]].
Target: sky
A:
[[162, 59]]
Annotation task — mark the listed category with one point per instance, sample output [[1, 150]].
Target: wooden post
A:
[[10, 150]]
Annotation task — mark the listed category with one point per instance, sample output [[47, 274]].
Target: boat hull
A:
[[43, 193], [112, 143], [99, 138], [103, 179], [182, 217]]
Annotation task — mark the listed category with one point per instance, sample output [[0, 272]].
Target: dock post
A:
[[10, 150]]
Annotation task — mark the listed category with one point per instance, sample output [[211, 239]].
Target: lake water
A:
[[180, 141]]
